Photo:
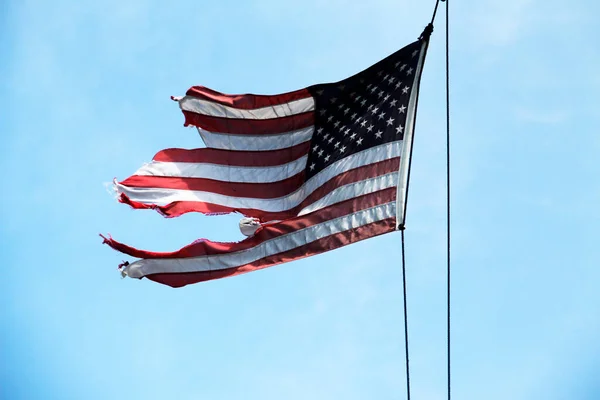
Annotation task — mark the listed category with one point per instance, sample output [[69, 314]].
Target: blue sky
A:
[[84, 95]]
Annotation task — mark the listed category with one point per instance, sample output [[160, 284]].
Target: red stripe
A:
[[250, 126], [232, 157], [233, 189], [250, 190], [178, 208], [319, 246], [353, 175], [246, 101], [205, 247]]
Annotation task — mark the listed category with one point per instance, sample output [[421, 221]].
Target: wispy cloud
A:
[[544, 117], [497, 23]]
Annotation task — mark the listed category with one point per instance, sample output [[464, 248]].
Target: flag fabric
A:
[[318, 168]]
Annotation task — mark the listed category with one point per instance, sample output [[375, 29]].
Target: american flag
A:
[[315, 169]]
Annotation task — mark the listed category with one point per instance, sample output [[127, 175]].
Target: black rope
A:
[[448, 183], [435, 11], [405, 320], [447, 179], [425, 36]]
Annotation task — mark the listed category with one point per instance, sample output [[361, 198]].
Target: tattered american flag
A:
[[317, 169]]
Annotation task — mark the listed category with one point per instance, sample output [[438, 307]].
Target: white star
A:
[[402, 108], [409, 71], [398, 85], [341, 106], [362, 103], [330, 140], [326, 136], [327, 157], [359, 141], [399, 129], [330, 118], [370, 106], [352, 94], [373, 89], [378, 134], [322, 112], [319, 130], [316, 148], [336, 123], [415, 53], [320, 92], [312, 166], [353, 135], [390, 121], [357, 98], [374, 111], [341, 87], [333, 99], [358, 120], [381, 115], [369, 128], [386, 77], [369, 85], [363, 123], [403, 66], [380, 94], [353, 116], [336, 145], [347, 132], [391, 80], [347, 110], [387, 96], [342, 149], [320, 152], [342, 128], [393, 103], [405, 89], [397, 63], [380, 73]]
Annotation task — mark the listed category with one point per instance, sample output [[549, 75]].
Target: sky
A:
[[84, 94]]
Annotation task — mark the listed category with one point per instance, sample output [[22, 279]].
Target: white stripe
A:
[[205, 107], [402, 185], [352, 190], [160, 196], [225, 173], [228, 141], [276, 245]]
